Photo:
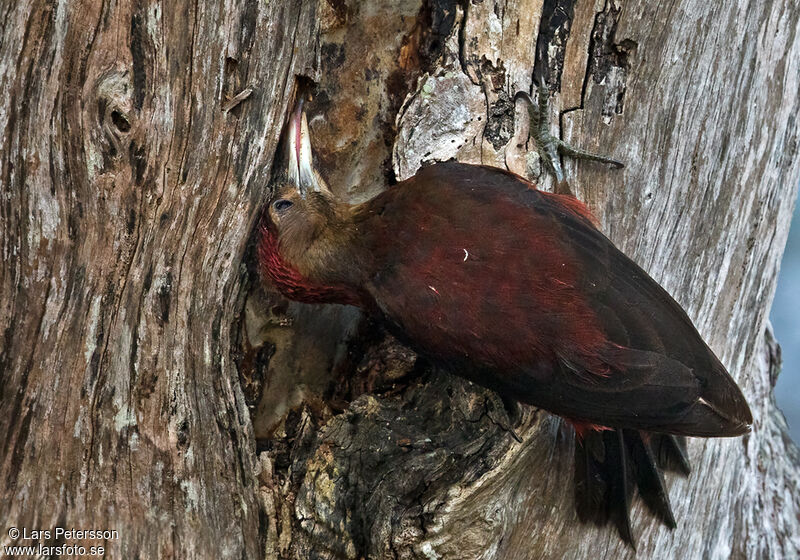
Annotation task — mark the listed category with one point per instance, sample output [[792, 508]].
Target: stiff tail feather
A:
[[611, 464]]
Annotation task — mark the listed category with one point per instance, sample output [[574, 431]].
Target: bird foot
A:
[[548, 146]]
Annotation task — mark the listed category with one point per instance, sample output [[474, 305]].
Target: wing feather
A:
[[544, 308]]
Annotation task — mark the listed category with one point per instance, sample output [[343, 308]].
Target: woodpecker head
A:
[[300, 196], [306, 230]]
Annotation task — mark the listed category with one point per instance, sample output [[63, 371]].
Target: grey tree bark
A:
[[149, 384]]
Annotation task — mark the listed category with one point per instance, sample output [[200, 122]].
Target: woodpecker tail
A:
[[610, 464]]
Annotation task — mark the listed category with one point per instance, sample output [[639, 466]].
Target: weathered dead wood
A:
[[128, 195], [131, 182]]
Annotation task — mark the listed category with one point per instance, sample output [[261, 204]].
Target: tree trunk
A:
[[149, 385], [129, 192]]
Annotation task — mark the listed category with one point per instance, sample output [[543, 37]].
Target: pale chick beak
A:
[[301, 164]]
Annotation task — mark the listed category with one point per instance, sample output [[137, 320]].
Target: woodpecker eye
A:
[[282, 205]]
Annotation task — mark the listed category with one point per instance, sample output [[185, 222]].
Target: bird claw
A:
[[548, 146]]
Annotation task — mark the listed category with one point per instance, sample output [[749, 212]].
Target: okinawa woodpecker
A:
[[517, 290]]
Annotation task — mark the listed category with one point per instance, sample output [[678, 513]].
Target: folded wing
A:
[[518, 290]]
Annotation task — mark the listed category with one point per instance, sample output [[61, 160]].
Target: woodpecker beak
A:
[[301, 164]]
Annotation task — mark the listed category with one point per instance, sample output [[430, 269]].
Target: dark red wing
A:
[[517, 289]]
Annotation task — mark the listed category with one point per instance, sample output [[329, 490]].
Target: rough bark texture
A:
[[128, 198], [137, 343]]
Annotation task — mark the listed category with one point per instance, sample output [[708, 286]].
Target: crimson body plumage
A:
[[519, 291]]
